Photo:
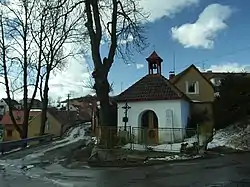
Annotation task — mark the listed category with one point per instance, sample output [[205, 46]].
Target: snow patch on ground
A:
[[176, 157], [75, 135], [232, 137], [29, 165], [14, 150], [171, 147], [175, 147]]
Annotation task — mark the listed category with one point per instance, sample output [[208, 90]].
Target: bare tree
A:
[[4, 66], [60, 21], [119, 24], [16, 48]]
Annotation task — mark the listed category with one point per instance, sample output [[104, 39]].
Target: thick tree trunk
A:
[[44, 105], [106, 122], [25, 124], [102, 92], [44, 117]]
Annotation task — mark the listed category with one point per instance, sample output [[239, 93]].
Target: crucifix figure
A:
[[125, 118]]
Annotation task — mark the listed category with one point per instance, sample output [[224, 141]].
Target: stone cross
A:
[[126, 107]]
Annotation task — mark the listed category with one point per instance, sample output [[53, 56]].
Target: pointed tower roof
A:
[[154, 63], [154, 57]]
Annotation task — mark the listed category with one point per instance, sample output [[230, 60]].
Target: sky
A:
[[212, 34]]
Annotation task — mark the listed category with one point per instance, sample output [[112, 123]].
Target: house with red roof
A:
[[57, 122], [155, 104], [10, 132]]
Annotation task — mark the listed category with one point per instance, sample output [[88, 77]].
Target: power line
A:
[[203, 62]]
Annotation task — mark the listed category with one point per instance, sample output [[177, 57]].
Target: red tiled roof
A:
[[64, 116], [87, 98], [18, 115], [154, 56], [151, 87]]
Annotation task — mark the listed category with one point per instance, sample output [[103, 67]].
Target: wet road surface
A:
[[229, 170]]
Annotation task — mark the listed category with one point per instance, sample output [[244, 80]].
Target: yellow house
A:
[[56, 123], [199, 90]]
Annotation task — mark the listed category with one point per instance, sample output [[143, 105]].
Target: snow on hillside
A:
[[30, 167], [75, 134], [232, 137]]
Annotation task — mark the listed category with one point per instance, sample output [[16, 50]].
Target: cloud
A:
[[127, 40], [202, 33], [169, 8], [139, 66], [229, 67], [71, 80]]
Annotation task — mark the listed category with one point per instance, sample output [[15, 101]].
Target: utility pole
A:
[[121, 86], [68, 105], [203, 66], [174, 59]]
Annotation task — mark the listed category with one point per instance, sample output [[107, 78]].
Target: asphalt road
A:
[[229, 170]]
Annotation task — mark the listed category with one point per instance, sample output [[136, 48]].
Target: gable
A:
[[192, 74], [2, 102]]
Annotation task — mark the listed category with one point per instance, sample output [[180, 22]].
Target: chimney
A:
[[171, 74]]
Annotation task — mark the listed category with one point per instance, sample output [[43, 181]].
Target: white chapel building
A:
[[158, 111]]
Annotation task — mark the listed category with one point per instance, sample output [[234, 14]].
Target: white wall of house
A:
[[180, 114], [185, 112]]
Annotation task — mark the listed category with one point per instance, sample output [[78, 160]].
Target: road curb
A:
[[131, 164]]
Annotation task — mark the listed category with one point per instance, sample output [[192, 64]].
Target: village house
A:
[[90, 106], [202, 88], [57, 122], [201, 93], [156, 105], [4, 105], [36, 104]]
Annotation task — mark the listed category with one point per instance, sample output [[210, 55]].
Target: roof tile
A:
[[151, 87]]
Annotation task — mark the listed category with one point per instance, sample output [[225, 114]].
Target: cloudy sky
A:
[[212, 34]]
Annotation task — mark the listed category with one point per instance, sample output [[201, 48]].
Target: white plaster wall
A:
[[185, 113], [180, 115]]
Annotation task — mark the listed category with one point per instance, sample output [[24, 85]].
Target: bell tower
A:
[[154, 64]]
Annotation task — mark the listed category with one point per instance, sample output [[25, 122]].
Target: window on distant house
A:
[[192, 87], [216, 81], [18, 118], [9, 133]]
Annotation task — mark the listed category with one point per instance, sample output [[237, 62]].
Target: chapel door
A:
[[150, 127]]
